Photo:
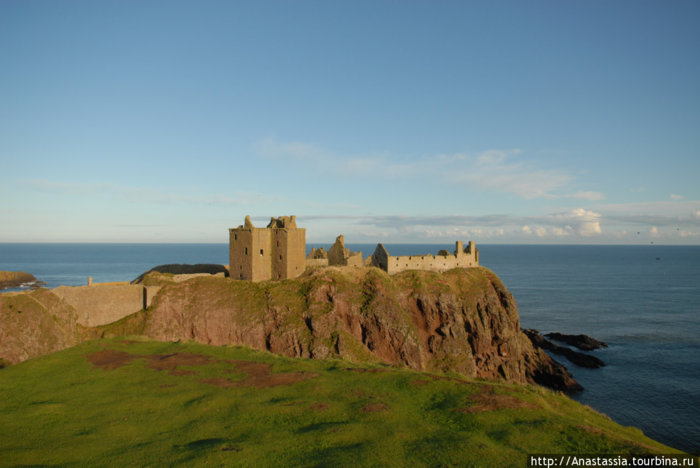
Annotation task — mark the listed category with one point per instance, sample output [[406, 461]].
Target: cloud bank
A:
[[573, 226], [497, 171]]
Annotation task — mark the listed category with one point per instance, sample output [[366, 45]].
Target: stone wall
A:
[[100, 304], [462, 258], [316, 262], [339, 255], [355, 259]]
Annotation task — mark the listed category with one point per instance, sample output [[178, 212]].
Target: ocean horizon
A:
[[643, 300]]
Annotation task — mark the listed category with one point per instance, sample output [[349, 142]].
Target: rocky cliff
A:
[[13, 279], [461, 321], [36, 323]]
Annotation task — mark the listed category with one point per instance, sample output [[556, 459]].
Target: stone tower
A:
[[275, 252]]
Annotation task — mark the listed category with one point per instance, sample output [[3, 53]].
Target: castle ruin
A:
[[340, 255], [275, 252], [279, 252], [443, 261]]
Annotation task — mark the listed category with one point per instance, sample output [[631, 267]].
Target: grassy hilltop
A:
[[117, 402]]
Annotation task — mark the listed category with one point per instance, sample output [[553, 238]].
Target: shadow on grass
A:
[[321, 426]]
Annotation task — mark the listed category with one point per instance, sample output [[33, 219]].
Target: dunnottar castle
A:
[[278, 251], [275, 252]]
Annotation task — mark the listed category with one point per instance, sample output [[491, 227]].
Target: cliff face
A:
[[36, 323], [462, 320]]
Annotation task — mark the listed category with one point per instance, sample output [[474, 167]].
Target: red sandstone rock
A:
[[463, 321]]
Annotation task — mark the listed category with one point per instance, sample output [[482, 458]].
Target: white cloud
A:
[[675, 196], [561, 232], [593, 196], [586, 223], [576, 225], [492, 157], [499, 171], [325, 161]]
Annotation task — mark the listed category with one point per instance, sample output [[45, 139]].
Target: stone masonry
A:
[[339, 255], [275, 252], [462, 258], [279, 252]]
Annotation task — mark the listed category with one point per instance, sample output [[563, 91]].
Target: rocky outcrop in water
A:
[[184, 269], [582, 342], [580, 359], [15, 279]]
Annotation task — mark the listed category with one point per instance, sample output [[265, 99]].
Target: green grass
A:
[[62, 410]]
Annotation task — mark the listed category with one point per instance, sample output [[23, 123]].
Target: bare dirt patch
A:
[[374, 408], [487, 400], [170, 362], [110, 359], [259, 374]]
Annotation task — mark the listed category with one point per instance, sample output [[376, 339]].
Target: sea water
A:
[[644, 301]]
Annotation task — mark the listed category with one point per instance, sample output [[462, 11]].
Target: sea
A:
[[643, 300]]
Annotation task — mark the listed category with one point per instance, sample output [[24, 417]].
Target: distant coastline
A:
[[18, 279]]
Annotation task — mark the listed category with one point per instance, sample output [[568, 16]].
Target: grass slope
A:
[[123, 402]]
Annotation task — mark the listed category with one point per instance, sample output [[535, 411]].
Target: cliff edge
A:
[[463, 320]]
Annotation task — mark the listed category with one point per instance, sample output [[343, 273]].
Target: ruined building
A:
[[317, 258], [462, 258], [275, 252], [340, 255], [279, 252], [337, 255]]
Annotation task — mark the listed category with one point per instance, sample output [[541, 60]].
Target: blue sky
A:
[[426, 122]]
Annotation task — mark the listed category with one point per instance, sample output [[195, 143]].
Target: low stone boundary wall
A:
[[100, 304]]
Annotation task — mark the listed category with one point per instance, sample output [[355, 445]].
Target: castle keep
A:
[[279, 252], [275, 252]]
